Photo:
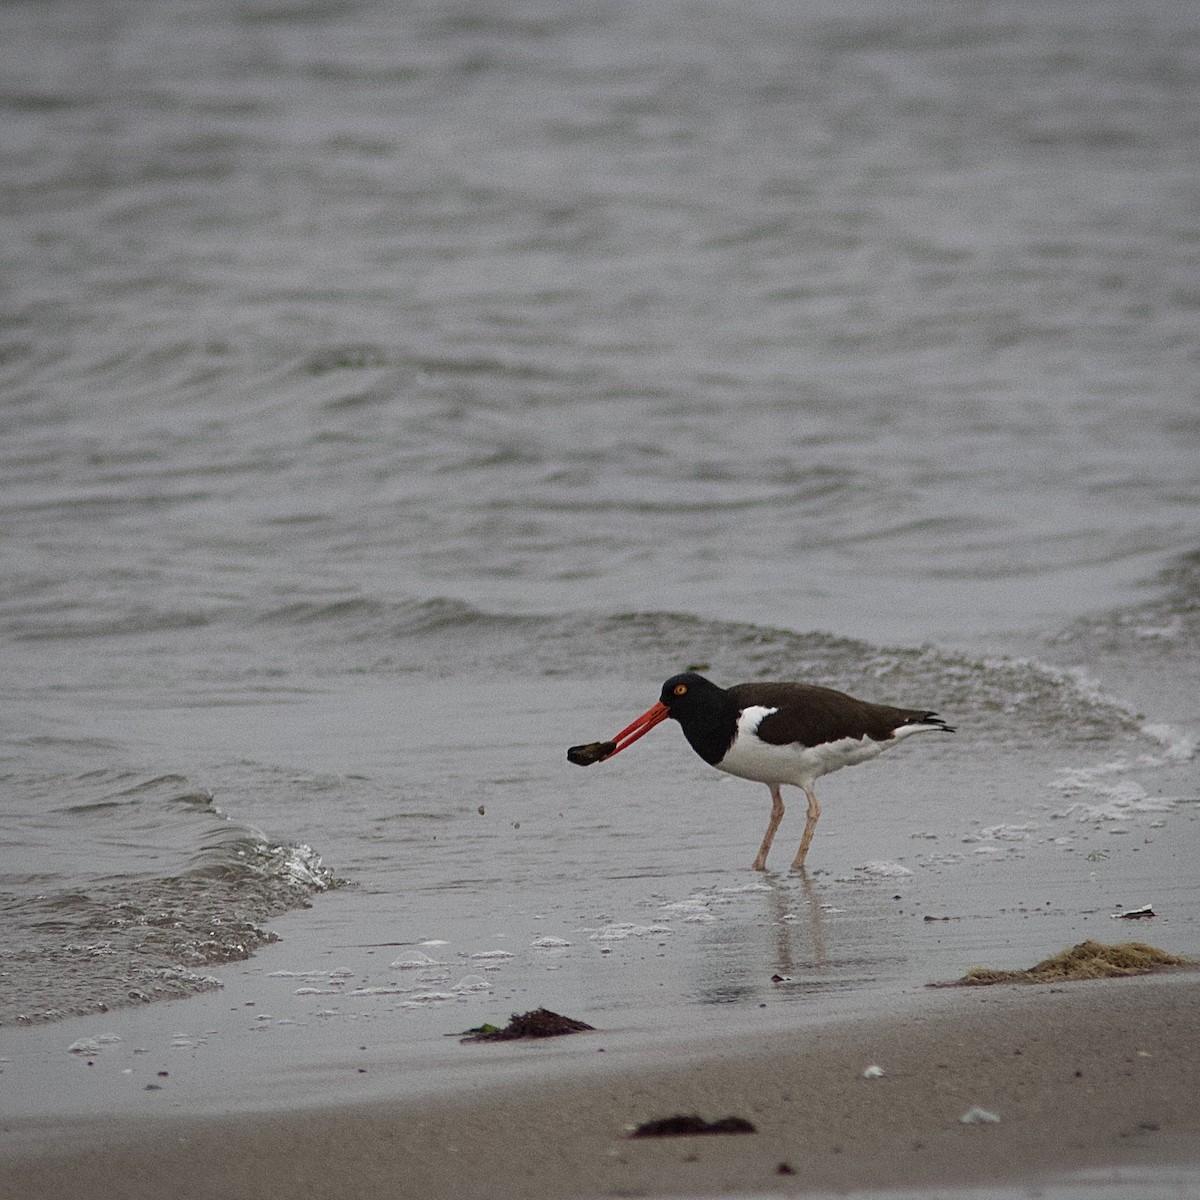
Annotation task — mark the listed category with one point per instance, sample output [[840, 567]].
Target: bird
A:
[[772, 733]]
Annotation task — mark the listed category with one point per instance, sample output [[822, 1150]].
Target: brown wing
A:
[[812, 715]]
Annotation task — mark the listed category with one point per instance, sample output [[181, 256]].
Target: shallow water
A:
[[391, 399]]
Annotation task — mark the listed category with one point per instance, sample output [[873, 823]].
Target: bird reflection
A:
[[739, 963]]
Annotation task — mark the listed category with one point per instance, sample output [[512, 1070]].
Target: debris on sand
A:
[[686, 1126], [1088, 960], [538, 1023], [1135, 914]]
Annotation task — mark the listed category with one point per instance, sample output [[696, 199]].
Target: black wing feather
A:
[[812, 715]]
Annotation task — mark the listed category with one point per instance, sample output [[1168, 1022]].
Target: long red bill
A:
[[594, 752], [640, 727]]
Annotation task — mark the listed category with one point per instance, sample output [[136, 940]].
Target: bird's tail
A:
[[935, 722]]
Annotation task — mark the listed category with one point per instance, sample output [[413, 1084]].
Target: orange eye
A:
[[680, 689]]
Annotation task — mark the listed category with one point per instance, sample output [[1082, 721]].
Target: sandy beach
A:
[[1083, 1076]]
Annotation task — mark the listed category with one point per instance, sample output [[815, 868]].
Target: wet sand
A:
[[1086, 1075]]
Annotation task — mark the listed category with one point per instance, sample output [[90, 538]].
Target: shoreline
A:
[[1087, 1075]]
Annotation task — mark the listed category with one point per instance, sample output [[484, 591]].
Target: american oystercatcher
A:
[[774, 733]]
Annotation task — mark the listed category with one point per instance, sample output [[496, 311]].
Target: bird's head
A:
[[686, 693]]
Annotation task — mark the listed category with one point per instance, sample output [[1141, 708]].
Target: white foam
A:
[[1001, 833], [1087, 686], [339, 974], [1076, 779], [1122, 800], [882, 869], [1099, 794], [949, 859], [93, 1045], [414, 962], [472, 983], [302, 864], [695, 909], [1168, 632], [621, 930], [1178, 745]]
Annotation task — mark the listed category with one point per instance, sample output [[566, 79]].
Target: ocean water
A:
[[393, 395]]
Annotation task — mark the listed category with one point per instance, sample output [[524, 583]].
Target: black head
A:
[[707, 713], [688, 693]]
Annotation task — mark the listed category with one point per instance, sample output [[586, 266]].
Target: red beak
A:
[[640, 727]]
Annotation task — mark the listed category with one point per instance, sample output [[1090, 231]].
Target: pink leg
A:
[[810, 827], [760, 862]]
